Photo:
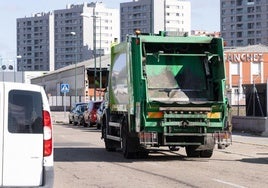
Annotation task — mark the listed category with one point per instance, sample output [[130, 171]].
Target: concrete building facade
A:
[[244, 22], [152, 16], [49, 41]]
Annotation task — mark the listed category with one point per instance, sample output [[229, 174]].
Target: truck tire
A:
[[206, 153], [126, 148], [143, 154], [109, 144], [173, 148], [192, 152], [129, 142]]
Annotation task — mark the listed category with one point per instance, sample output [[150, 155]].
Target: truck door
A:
[[23, 137]]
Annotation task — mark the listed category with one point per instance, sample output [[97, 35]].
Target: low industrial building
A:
[[247, 80], [79, 79]]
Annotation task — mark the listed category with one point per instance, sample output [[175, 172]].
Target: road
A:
[[81, 161]]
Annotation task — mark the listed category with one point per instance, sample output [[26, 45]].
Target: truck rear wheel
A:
[[109, 144], [206, 153], [126, 148], [191, 151], [130, 142]]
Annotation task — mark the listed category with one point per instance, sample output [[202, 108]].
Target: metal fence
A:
[[57, 103]]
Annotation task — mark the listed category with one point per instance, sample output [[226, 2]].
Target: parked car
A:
[[90, 116], [100, 112], [26, 144], [72, 111], [78, 114]]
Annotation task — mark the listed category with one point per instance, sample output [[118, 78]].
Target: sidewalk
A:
[[250, 138], [60, 117]]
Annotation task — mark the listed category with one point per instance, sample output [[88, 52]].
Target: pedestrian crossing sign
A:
[[64, 88]]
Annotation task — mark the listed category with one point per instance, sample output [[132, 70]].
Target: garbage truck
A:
[[167, 91]]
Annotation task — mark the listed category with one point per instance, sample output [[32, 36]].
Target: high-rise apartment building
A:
[[152, 16], [80, 29], [35, 44], [68, 36], [244, 22]]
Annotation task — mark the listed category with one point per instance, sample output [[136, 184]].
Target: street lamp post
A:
[[100, 57], [94, 50], [75, 74], [2, 69]]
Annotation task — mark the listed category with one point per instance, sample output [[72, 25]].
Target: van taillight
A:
[[47, 133]]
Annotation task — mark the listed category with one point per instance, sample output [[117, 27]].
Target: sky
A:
[[205, 15]]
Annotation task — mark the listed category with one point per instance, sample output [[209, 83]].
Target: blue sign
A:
[[64, 88]]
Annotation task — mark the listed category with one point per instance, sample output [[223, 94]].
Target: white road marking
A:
[[228, 183]]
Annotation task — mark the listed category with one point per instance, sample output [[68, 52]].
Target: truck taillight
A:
[[47, 133], [155, 114]]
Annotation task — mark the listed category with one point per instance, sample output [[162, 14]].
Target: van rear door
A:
[[23, 136], [1, 131]]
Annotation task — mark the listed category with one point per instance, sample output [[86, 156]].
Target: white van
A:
[[26, 141]]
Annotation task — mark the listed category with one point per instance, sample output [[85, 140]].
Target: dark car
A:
[[100, 112], [71, 113], [90, 115], [78, 114]]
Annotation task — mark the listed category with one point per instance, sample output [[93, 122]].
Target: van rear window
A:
[[25, 112]]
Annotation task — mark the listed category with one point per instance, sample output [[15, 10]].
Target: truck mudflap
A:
[[223, 139]]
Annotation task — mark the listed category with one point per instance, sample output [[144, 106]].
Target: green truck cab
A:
[[167, 91]]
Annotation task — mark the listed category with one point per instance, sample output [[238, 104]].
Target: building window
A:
[[256, 68], [234, 69], [251, 41]]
